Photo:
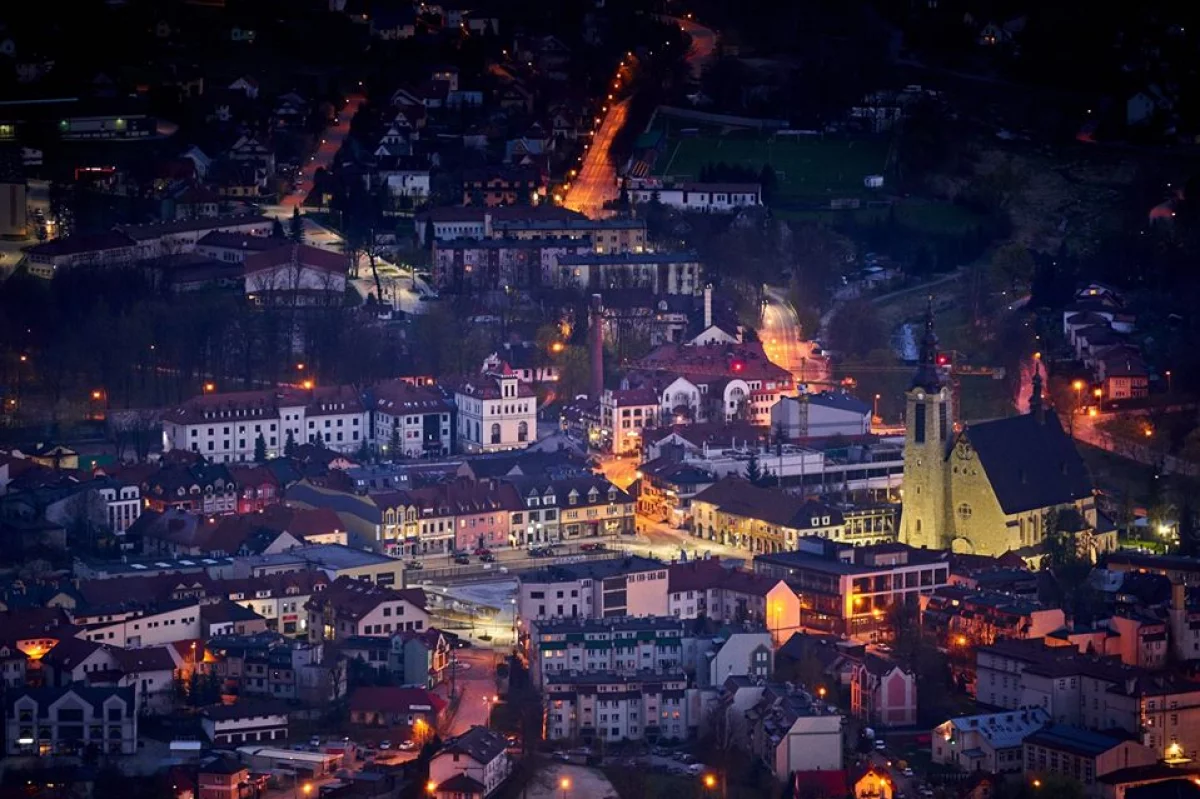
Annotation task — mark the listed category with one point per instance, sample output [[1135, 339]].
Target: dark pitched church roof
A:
[[1030, 464]]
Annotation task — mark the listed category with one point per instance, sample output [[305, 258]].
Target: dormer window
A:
[[572, 498], [612, 495]]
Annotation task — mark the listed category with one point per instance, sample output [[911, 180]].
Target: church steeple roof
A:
[[927, 376]]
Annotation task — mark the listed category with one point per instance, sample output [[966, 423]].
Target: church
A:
[[995, 486]]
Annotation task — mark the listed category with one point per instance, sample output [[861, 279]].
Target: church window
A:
[[943, 420], [964, 511], [919, 425], [918, 525]]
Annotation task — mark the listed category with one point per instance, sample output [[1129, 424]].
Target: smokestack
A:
[[596, 331], [708, 306]]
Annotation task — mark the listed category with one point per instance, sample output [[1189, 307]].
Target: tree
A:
[[260, 449], [296, 230], [1014, 262], [756, 474], [277, 231], [1189, 543], [856, 329], [289, 446]]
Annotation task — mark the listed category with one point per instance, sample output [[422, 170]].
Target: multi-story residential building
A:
[[491, 187], [223, 778], [850, 590], [991, 742], [592, 706], [790, 730], [495, 264], [354, 607], [748, 653], [207, 489], [271, 665], [1081, 755], [1093, 693], [592, 507], [122, 503], [706, 588], [882, 693], [623, 416], [136, 625], [963, 617], [476, 222], [617, 645], [598, 589], [279, 598], [225, 427], [606, 235], [419, 658], [245, 722], [495, 412], [473, 765], [667, 487], [656, 272], [410, 421], [66, 721], [439, 519]]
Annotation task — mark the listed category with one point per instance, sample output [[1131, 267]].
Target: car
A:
[[562, 757], [462, 558], [414, 565], [511, 740], [385, 745], [407, 746], [487, 557], [591, 547], [481, 551], [908, 772]]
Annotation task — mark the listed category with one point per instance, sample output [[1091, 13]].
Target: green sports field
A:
[[806, 168]]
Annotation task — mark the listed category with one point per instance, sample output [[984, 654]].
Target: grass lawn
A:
[[922, 216], [806, 168]]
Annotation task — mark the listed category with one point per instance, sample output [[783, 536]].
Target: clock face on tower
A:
[[963, 451]]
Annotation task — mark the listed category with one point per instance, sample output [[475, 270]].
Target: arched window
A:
[[523, 431], [495, 433]]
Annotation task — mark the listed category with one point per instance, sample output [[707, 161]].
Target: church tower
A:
[[925, 517]]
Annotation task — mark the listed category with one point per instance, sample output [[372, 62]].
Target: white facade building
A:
[[123, 505], [718, 197], [991, 742], [592, 706], [245, 722], [632, 586], [495, 412], [136, 629], [61, 721], [743, 654], [225, 427], [824, 414], [410, 421], [474, 764]]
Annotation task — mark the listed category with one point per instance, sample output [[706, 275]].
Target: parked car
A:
[[385, 745], [462, 558], [481, 551], [880, 744], [314, 741], [908, 772], [591, 547], [487, 557], [407, 746]]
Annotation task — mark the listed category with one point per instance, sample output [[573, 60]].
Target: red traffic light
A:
[[943, 359]]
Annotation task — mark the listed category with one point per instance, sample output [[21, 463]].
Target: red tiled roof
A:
[[703, 575], [390, 699], [302, 254], [822, 784], [354, 599]]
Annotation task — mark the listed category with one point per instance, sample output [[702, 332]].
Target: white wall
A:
[[814, 743], [157, 629]]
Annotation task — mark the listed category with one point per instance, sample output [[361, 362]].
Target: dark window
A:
[[919, 423], [943, 420]]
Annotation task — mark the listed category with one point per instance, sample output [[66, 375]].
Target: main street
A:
[[783, 340], [596, 182]]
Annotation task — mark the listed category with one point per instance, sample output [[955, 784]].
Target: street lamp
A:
[[876, 412], [1168, 373], [431, 787], [210, 388], [1078, 386], [710, 781], [565, 785]]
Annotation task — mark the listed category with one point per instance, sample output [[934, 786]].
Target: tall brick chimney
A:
[[596, 347]]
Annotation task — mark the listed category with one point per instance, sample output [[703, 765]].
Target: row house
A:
[[280, 598], [666, 488], [492, 186], [474, 764], [350, 607], [458, 516], [620, 646], [601, 706], [269, 665], [962, 617], [140, 625], [616, 235], [1162, 711], [44, 722], [736, 513], [784, 727], [200, 488], [707, 589]]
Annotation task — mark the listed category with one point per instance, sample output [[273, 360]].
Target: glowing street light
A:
[[565, 785], [210, 388], [710, 781], [431, 787], [557, 347]]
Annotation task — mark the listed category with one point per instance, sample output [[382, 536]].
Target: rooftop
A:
[[1073, 739], [1006, 729], [593, 570]]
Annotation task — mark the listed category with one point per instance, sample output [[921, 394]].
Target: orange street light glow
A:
[[710, 781]]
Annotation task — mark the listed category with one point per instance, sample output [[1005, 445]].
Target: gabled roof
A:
[[288, 254], [1030, 463], [478, 743], [390, 699], [354, 599]]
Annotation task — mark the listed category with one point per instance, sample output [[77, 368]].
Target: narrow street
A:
[[331, 142], [783, 340]]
